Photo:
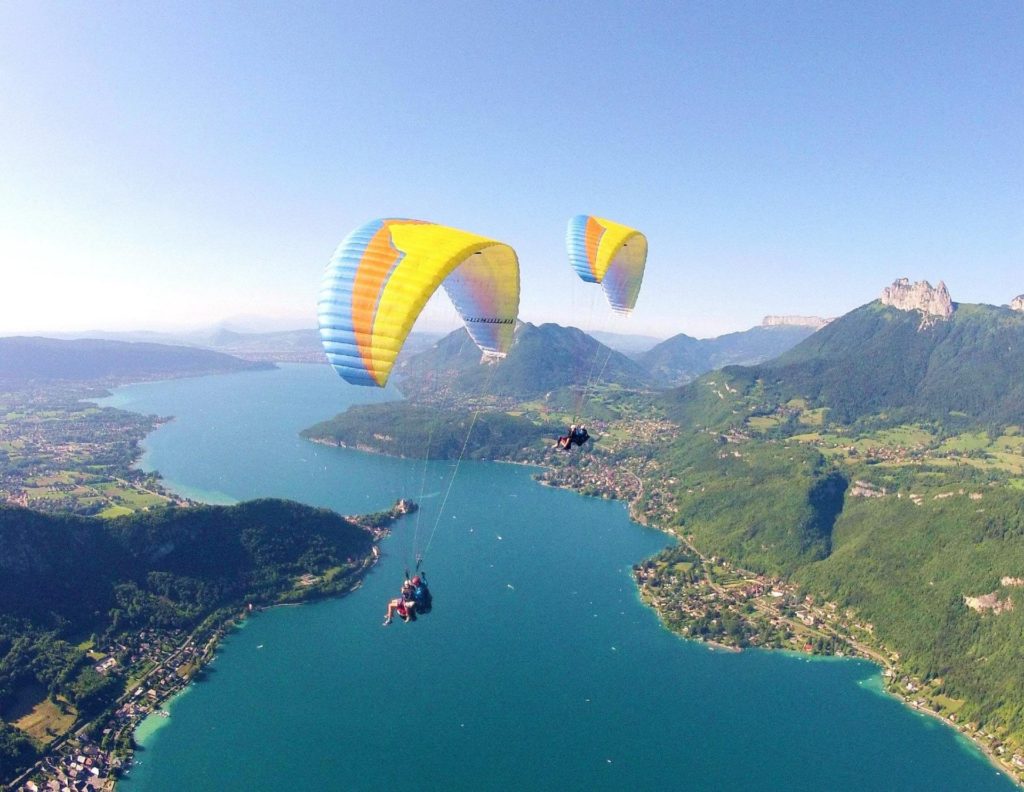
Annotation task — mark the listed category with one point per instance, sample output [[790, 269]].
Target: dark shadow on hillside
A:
[[826, 498]]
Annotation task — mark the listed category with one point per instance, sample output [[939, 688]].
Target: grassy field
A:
[[111, 497], [38, 716], [813, 417], [914, 445], [969, 441], [762, 423], [114, 511]]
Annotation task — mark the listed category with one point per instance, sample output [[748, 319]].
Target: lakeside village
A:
[[156, 664], [60, 453], [712, 600]]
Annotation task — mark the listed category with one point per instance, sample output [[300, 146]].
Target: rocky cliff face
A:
[[1017, 303], [920, 296], [795, 321]]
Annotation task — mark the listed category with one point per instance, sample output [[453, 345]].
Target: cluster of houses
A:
[[688, 601], [145, 646], [42, 446], [80, 766], [593, 476]]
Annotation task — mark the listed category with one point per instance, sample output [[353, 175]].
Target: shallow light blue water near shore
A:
[[539, 668]]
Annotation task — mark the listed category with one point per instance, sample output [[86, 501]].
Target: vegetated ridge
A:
[[542, 359], [878, 358], [63, 577], [405, 429]]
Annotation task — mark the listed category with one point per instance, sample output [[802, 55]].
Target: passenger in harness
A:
[[404, 605], [415, 599], [578, 435]]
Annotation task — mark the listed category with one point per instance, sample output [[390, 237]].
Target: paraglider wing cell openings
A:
[[605, 252], [381, 277]]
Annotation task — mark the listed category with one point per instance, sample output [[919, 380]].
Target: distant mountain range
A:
[[630, 345], [548, 357], [542, 359], [26, 359], [683, 358], [278, 346]]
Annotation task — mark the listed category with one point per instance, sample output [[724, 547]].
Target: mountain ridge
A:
[[543, 358], [25, 359], [880, 358], [682, 358]]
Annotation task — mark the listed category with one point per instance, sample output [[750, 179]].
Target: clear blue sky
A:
[[177, 163]]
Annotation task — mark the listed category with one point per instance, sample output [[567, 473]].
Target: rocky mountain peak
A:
[[932, 301], [1017, 303]]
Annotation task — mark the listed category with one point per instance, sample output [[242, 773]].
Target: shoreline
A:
[[1004, 767], [231, 624]]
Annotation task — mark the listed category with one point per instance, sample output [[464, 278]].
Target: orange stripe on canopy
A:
[[594, 233], [378, 259]]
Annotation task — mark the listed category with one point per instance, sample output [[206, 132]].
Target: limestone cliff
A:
[[920, 296], [1017, 303]]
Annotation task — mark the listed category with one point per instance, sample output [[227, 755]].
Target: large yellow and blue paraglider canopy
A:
[[608, 253], [384, 272]]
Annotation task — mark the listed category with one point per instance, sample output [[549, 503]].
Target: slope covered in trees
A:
[[879, 464], [410, 430], [880, 359], [63, 577]]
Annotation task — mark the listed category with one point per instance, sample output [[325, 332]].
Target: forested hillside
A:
[[880, 359], [410, 430], [64, 577], [880, 465]]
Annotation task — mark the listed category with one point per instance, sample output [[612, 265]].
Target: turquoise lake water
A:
[[539, 668]]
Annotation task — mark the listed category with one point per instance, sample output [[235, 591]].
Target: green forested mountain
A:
[[908, 567], [410, 430], [879, 359], [214, 552], [542, 359], [880, 465], [39, 360], [63, 577], [682, 358]]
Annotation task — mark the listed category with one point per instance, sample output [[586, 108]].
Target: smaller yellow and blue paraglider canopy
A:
[[381, 277], [609, 253]]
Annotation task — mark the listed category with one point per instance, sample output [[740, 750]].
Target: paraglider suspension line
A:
[[462, 453], [451, 483]]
